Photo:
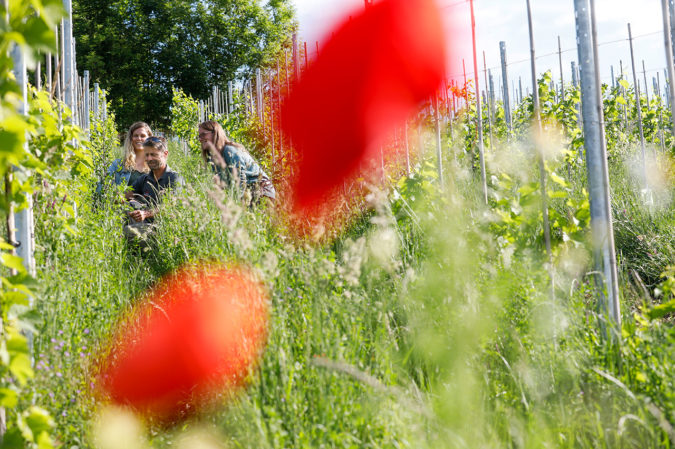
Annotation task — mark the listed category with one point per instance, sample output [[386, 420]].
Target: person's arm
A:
[[250, 168], [114, 167], [236, 178], [142, 215]]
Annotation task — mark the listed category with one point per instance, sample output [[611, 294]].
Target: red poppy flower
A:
[[369, 77], [198, 333]]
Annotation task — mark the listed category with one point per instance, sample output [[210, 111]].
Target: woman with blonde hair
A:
[[127, 169]]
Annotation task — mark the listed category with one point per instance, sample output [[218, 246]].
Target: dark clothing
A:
[[134, 176], [241, 171], [148, 190]]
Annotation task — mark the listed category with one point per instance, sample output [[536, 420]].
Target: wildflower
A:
[[185, 347], [399, 66]]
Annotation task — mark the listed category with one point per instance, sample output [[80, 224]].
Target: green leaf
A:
[[558, 180], [13, 439], [44, 441], [8, 398], [12, 298], [624, 83], [557, 194], [20, 367], [13, 262], [661, 310], [23, 280], [38, 35], [528, 189], [11, 142], [39, 420]]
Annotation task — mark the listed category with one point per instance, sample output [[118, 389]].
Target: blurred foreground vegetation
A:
[[431, 321]]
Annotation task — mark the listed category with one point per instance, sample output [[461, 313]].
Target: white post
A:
[[644, 76], [85, 98], [562, 79], [505, 85], [439, 152], [296, 56], [97, 95], [669, 60], [671, 22], [24, 218], [638, 105], [68, 65], [606, 276], [216, 105], [230, 106], [259, 94], [48, 72], [479, 112], [407, 149], [62, 70], [488, 102]]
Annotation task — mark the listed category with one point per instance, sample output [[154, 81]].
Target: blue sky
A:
[[506, 20]]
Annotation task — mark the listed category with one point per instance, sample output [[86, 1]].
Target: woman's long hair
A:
[[221, 138], [129, 152]]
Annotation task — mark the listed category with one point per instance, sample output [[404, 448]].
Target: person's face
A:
[[206, 137], [138, 137], [155, 157]]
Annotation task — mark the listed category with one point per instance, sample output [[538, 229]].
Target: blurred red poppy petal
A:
[[200, 331], [369, 77]]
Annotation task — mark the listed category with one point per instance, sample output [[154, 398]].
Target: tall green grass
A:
[[420, 327]]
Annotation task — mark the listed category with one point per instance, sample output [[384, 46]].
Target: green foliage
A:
[[666, 293], [429, 326], [185, 119], [103, 138], [24, 168], [139, 49]]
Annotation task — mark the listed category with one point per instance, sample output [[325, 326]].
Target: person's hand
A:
[[208, 145], [139, 215], [208, 149]]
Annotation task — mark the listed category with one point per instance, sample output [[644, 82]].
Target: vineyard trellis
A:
[[261, 96]]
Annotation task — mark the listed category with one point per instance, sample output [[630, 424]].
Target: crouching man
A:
[[146, 192]]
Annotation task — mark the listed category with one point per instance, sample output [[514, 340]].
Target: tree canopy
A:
[[138, 49]]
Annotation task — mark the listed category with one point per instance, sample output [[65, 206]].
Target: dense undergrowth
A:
[[432, 322]]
